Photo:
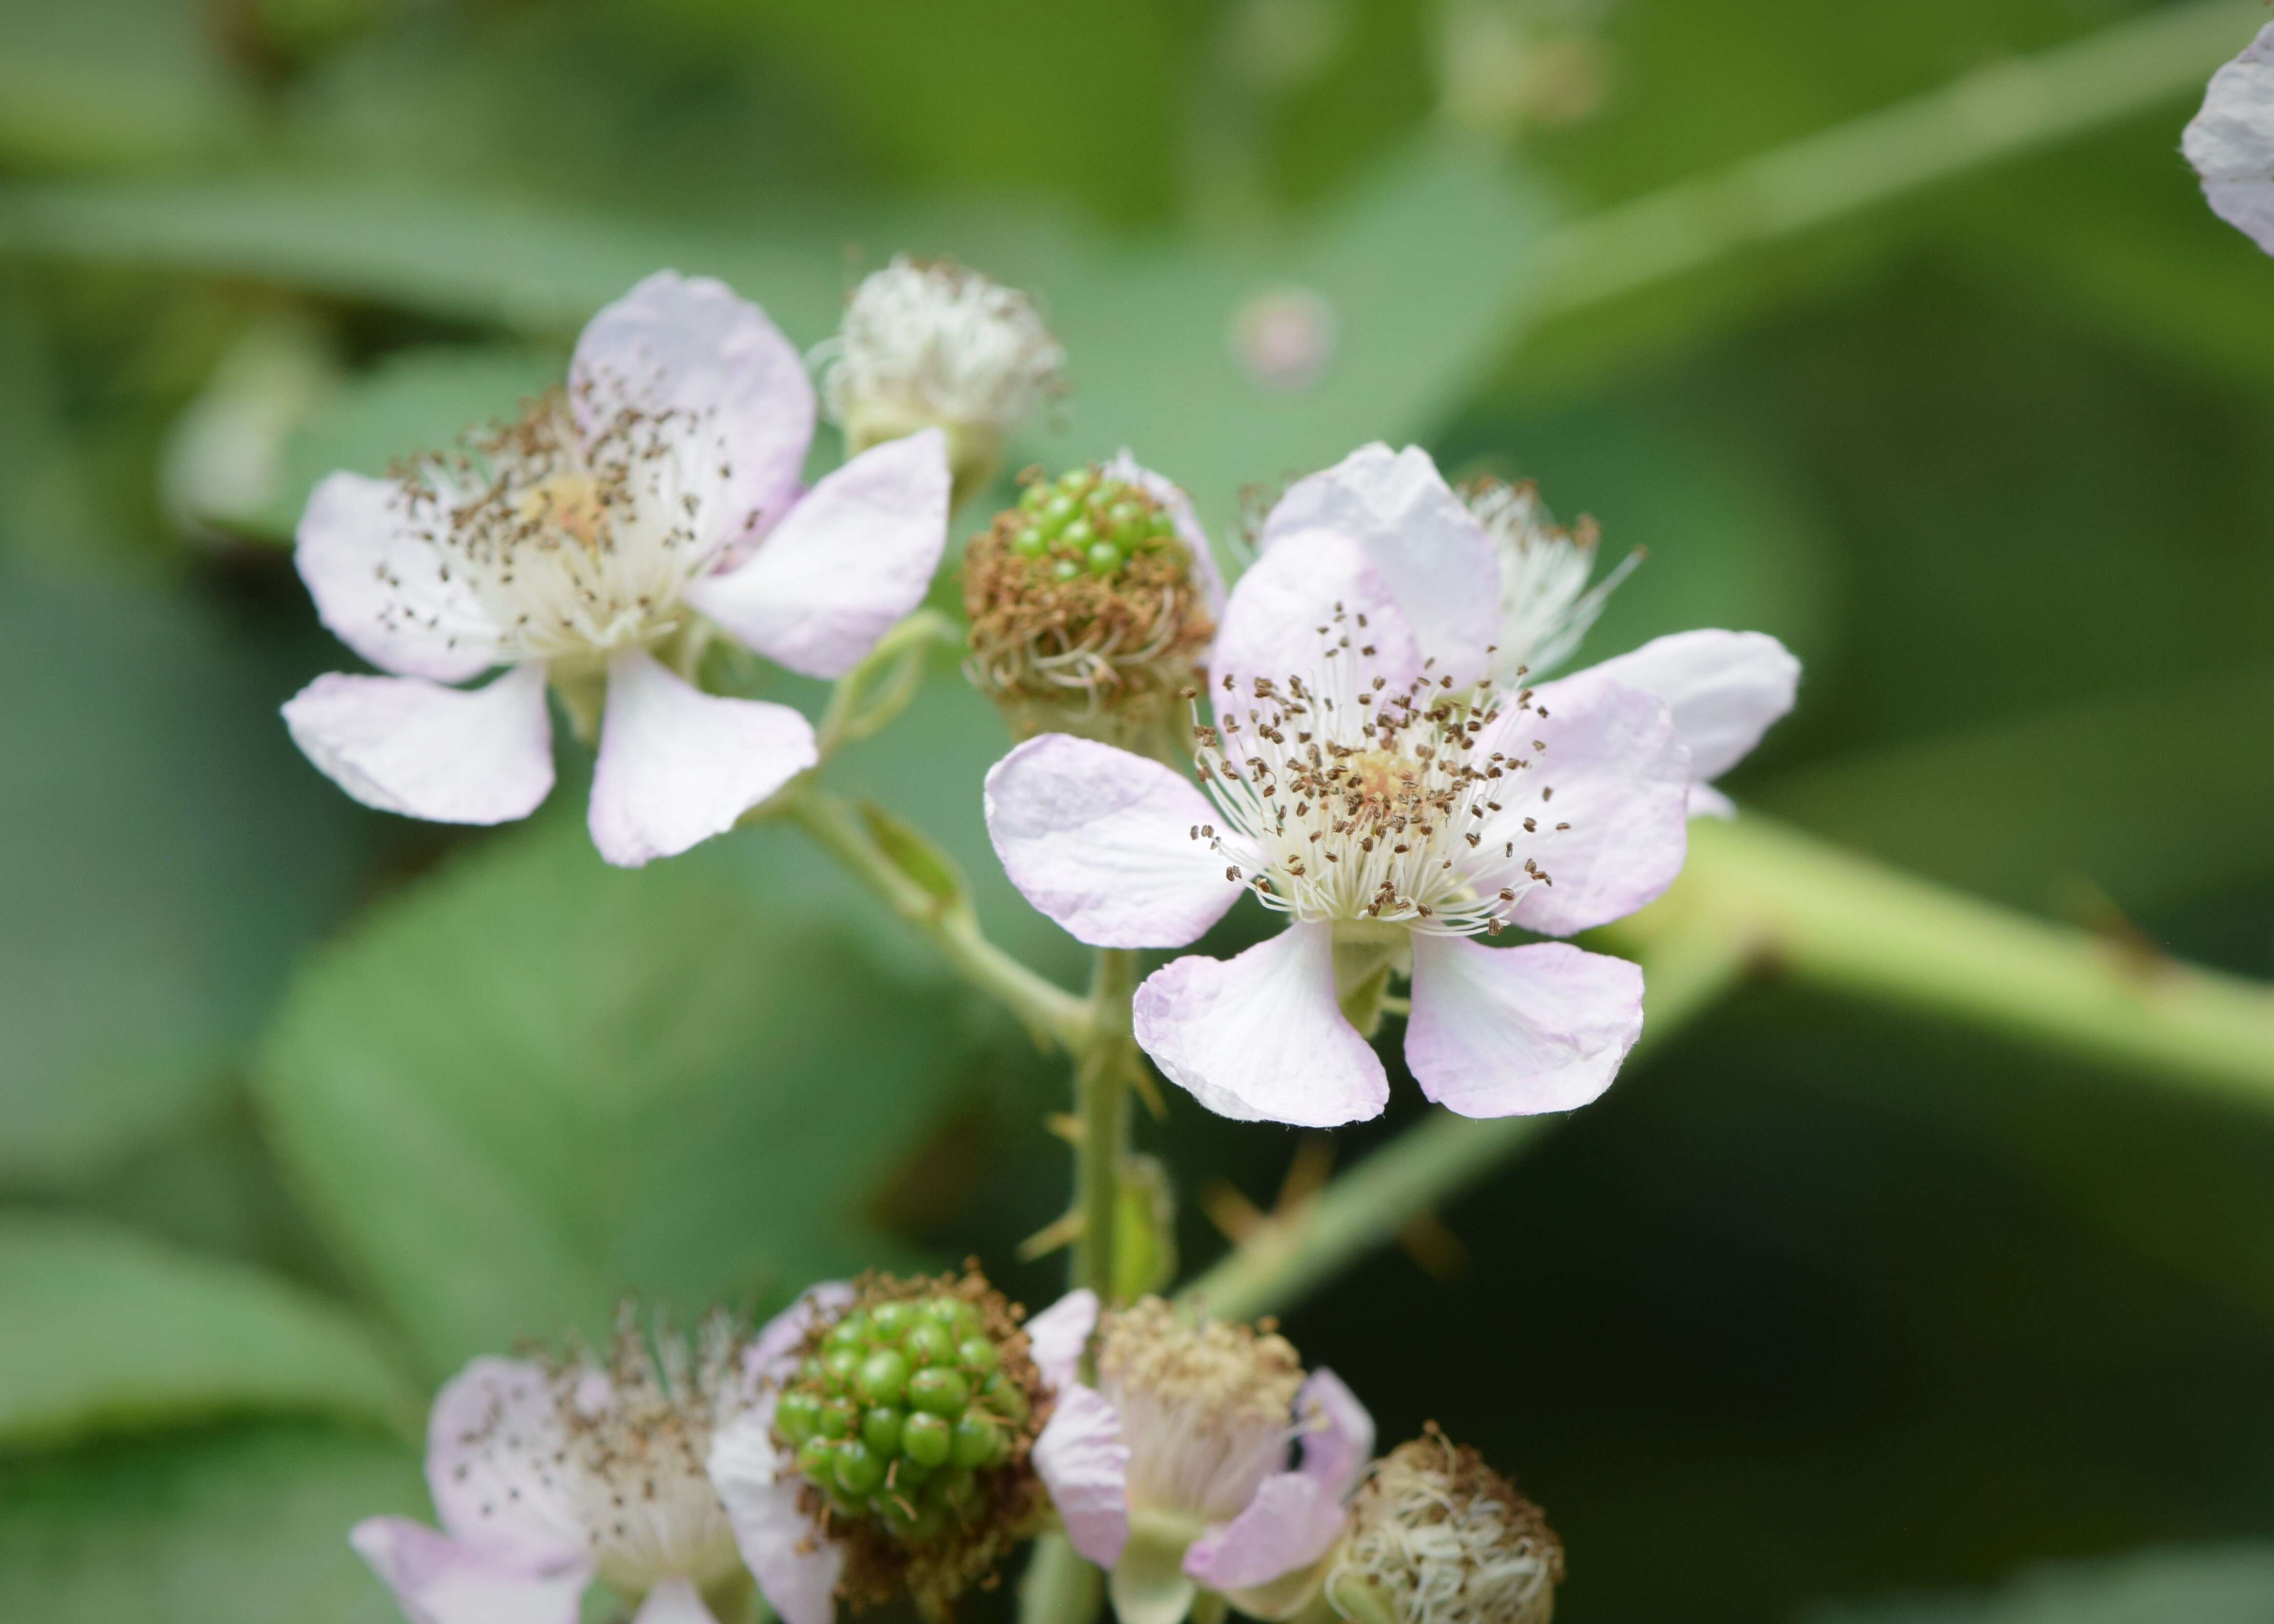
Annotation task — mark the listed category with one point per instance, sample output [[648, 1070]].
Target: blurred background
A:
[[1824, 1313]]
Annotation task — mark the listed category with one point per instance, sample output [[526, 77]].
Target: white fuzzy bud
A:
[[1437, 1537]]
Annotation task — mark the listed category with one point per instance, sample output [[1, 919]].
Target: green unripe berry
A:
[[1079, 534], [1056, 514], [837, 1420], [1002, 1396], [978, 1441], [910, 1473], [891, 1320], [946, 1312], [978, 1356], [859, 1472], [850, 1331], [1065, 569], [809, 1371], [929, 1345], [1076, 481], [1030, 542], [880, 1430], [939, 1391], [927, 1440], [813, 1457], [798, 1415], [838, 1367], [1035, 496], [1104, 559], [1127, 516], [884, 1376]]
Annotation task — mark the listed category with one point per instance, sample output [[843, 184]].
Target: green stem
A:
[[1685, 973], [1102, 1102], [1060, 1587], [1049, 1011]]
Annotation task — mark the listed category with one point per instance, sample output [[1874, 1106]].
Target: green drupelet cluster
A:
[[900, 1414], [1084, 523]]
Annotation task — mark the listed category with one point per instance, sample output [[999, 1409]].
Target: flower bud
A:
[[1545, 601], [1090, 605], [927, 343], [1437, 1537]]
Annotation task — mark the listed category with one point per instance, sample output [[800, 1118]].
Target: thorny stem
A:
[[1100, 1088], [1049, 1011]]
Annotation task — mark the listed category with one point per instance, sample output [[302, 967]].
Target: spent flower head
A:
[[1437, 1536], [929, 344]]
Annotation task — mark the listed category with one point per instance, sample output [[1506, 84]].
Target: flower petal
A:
[[1056, 1337], [734, 387], [856, 554], [1296, 613], [1294, 1516], [382, 588], [485, 1454], [1259, 1038], [1084, 1463], [796, 1567], [1107, 843], [406, 745], [674, 1601], [678, 765], [1178, 506], [772, 1354], [1616, 773], [1437, 559], [1725, 689], [2230, 141], [1337, 1432], [439, 1580], [1515, 1031]]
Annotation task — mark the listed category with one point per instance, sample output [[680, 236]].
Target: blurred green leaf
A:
[[246, 1525], [535, 1083], [107, 1330], [2215, 1584], [164, 852], [113, 82]]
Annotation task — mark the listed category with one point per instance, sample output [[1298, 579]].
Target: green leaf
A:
[[535, 1083], [246, 1525], [111, 81], [109, 1330], [2207, 1584], [164, 852]]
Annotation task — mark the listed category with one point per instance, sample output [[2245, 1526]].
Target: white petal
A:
[[772, 1353], [735, 387], [678, 765], [1296, 613], [1259, 1038], [2230, 141], [382, 588], [1515, 1031], [1083, 1461], [1125, 468], [674, 1601], [489, 1442], [437, 1580], [1437, 559], [1337, 1432], [796, 1567], [1294, 1516], [1105, 843], [1616, 773], [1706, 801], [1056, 1337], [406, 745], [856, 554], [1725, 689]]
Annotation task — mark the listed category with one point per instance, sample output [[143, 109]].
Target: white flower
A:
[[661, 486], [2230, 141], [547, 1477], [933, 344], [1437, 1537], [1173, 1473], [1546, 605]]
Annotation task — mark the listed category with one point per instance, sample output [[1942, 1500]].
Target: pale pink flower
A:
[[1174, 1472], [1367, 778], [661, 487], [2230, 141], [547, 1478]]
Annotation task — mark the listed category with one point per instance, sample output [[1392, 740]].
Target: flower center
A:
[[571, 503]]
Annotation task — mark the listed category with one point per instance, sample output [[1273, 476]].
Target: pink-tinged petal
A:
[[772, 1354], [1125, 468], [796, 1567], [1289, 1523], [1296, 613], [1724, 689], [854, 555], [1109, 843], [1259, 1038], [486, 1449], [406, 745], [1610, 797], [1056, 1337], [2230, 141], [382, 588], [1706, 801], [1084, 1463], [439, 1580], [674, 1601], [1337, 1432], [1437, 559], [1516, 1031], [678, 765], [708, 369]]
